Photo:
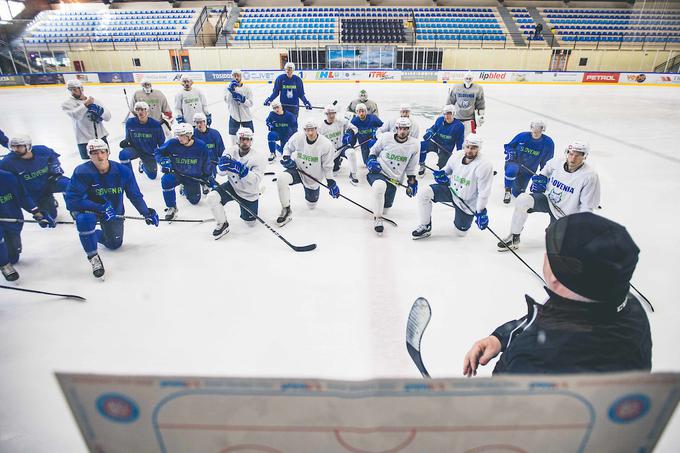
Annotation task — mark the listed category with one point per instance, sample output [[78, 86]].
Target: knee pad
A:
[[194, 198], [272, 136], [124, 155], [379, 187], [284, 179], [511, 170], [115, 244], [524, 202], [86, 223], [312, 196], [168, 181], [425, 195], [214, 198]]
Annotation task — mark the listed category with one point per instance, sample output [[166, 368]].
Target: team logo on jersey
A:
[[555, 196]]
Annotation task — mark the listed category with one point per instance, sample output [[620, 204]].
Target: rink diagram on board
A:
[[177, 302]]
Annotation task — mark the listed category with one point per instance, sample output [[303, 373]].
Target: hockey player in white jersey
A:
[[312, 153], [468, 97], [391, 125], [159, 109], [464, 181], [393, 157], [239, 99], [243, 166], [87, 114], [190, 101], [333, 128], [566, 185]]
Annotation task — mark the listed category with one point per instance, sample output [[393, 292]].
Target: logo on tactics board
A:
[[117, 407], [629, 408]]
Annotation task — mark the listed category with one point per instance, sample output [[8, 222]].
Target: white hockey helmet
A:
[[141, 105], [473, 140], [537, 124], [185, 77], [289, 65], [199, 116], [275, 104], [467, 79], [236, 71], [310, 123], [96, 144], [449, 108], [21, 140], [245, 132], [579, 147], [330, 108], [74, 83], [182, 129], [361, 106], [404, 108], [403, 122]]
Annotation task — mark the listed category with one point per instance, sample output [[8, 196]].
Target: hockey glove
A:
[[151, 217], [267, 102], [412, 188], [95, 112], [539, 183], [482, 219], [373, 165], [233, 166], [232, 86], [511, 155], [308, 105], [108, 213], [288, 163], [44, 219], [333, 188], [440, 177], [238, 97], [480, 117], [180, 119], [348, 138], [166, 164], [125, 144], [428, 135], [208, 119]]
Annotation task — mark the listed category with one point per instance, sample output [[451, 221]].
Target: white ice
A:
[[177, 302]]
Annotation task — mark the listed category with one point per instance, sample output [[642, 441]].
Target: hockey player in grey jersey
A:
[[391, 125], [333, 128], [371, 106], [468, 97], [159, 109], [87, 114], [190, 101], [239, 99]]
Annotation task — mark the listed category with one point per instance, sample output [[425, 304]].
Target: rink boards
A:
[[586, 413]]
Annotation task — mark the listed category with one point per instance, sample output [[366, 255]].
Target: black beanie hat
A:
[[592, 256]]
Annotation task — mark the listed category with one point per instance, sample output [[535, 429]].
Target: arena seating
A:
[[455, 24], [614, 25], [525, 23], [373, 30], [109, 26]]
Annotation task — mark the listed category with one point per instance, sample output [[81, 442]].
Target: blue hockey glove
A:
[[233, 166], [151, 217], [482, 219], [95, 112], [180, 119], [238, 97], [210, 182], [428, 135], [373, 165], [267, 102], [539, 183], [333, 188], [308, 105], [208, 119], [348, 138], [440, 177], [412, 188], [108, 213], [288, 163], [44, 219], [511, 155], [166, 164], [232, 86]]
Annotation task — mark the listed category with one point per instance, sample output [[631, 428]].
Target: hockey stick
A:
[[67, 296], [418, 319], [129, 109], [391, 222], [297, 248], [132, 217], [313, 107], [60, 222]]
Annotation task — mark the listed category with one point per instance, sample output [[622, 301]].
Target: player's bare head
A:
[[20, 144], [467, 79], [141, 110], [245, 138], [403, 126], [311, 129], [200, 121], [289, 67], [537, 128], [404, 110], [277, 107], [237, 75], [98, 151], [472, 146], [363, 96], [576, 152], [75, 86], [184, 133], [361, 110], [447, 111], [330, 112], [186, 82], [146, 86]]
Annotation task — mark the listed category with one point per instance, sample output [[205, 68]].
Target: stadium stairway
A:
[[510, 24], [538, 18], [228, 28]]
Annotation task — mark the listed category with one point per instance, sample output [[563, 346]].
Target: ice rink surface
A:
[[177, 302]]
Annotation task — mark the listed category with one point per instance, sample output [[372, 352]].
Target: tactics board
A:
[[624, 412]]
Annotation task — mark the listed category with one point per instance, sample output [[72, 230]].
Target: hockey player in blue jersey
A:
[[143, 136], [442, 137], [282, 125], [94, 194], [290, 90], [4, 141], [213, 141], [524, 155], [38, 169], [13, 197], [367, 125], [184, 160]]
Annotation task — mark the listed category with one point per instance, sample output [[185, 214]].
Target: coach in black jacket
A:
[[590, 323]]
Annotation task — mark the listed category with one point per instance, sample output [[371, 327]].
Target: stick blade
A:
[[418, 319], [304, 248]]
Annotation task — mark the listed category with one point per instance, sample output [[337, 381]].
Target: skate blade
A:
[[284, 223], [505, 249], [221, 235]]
